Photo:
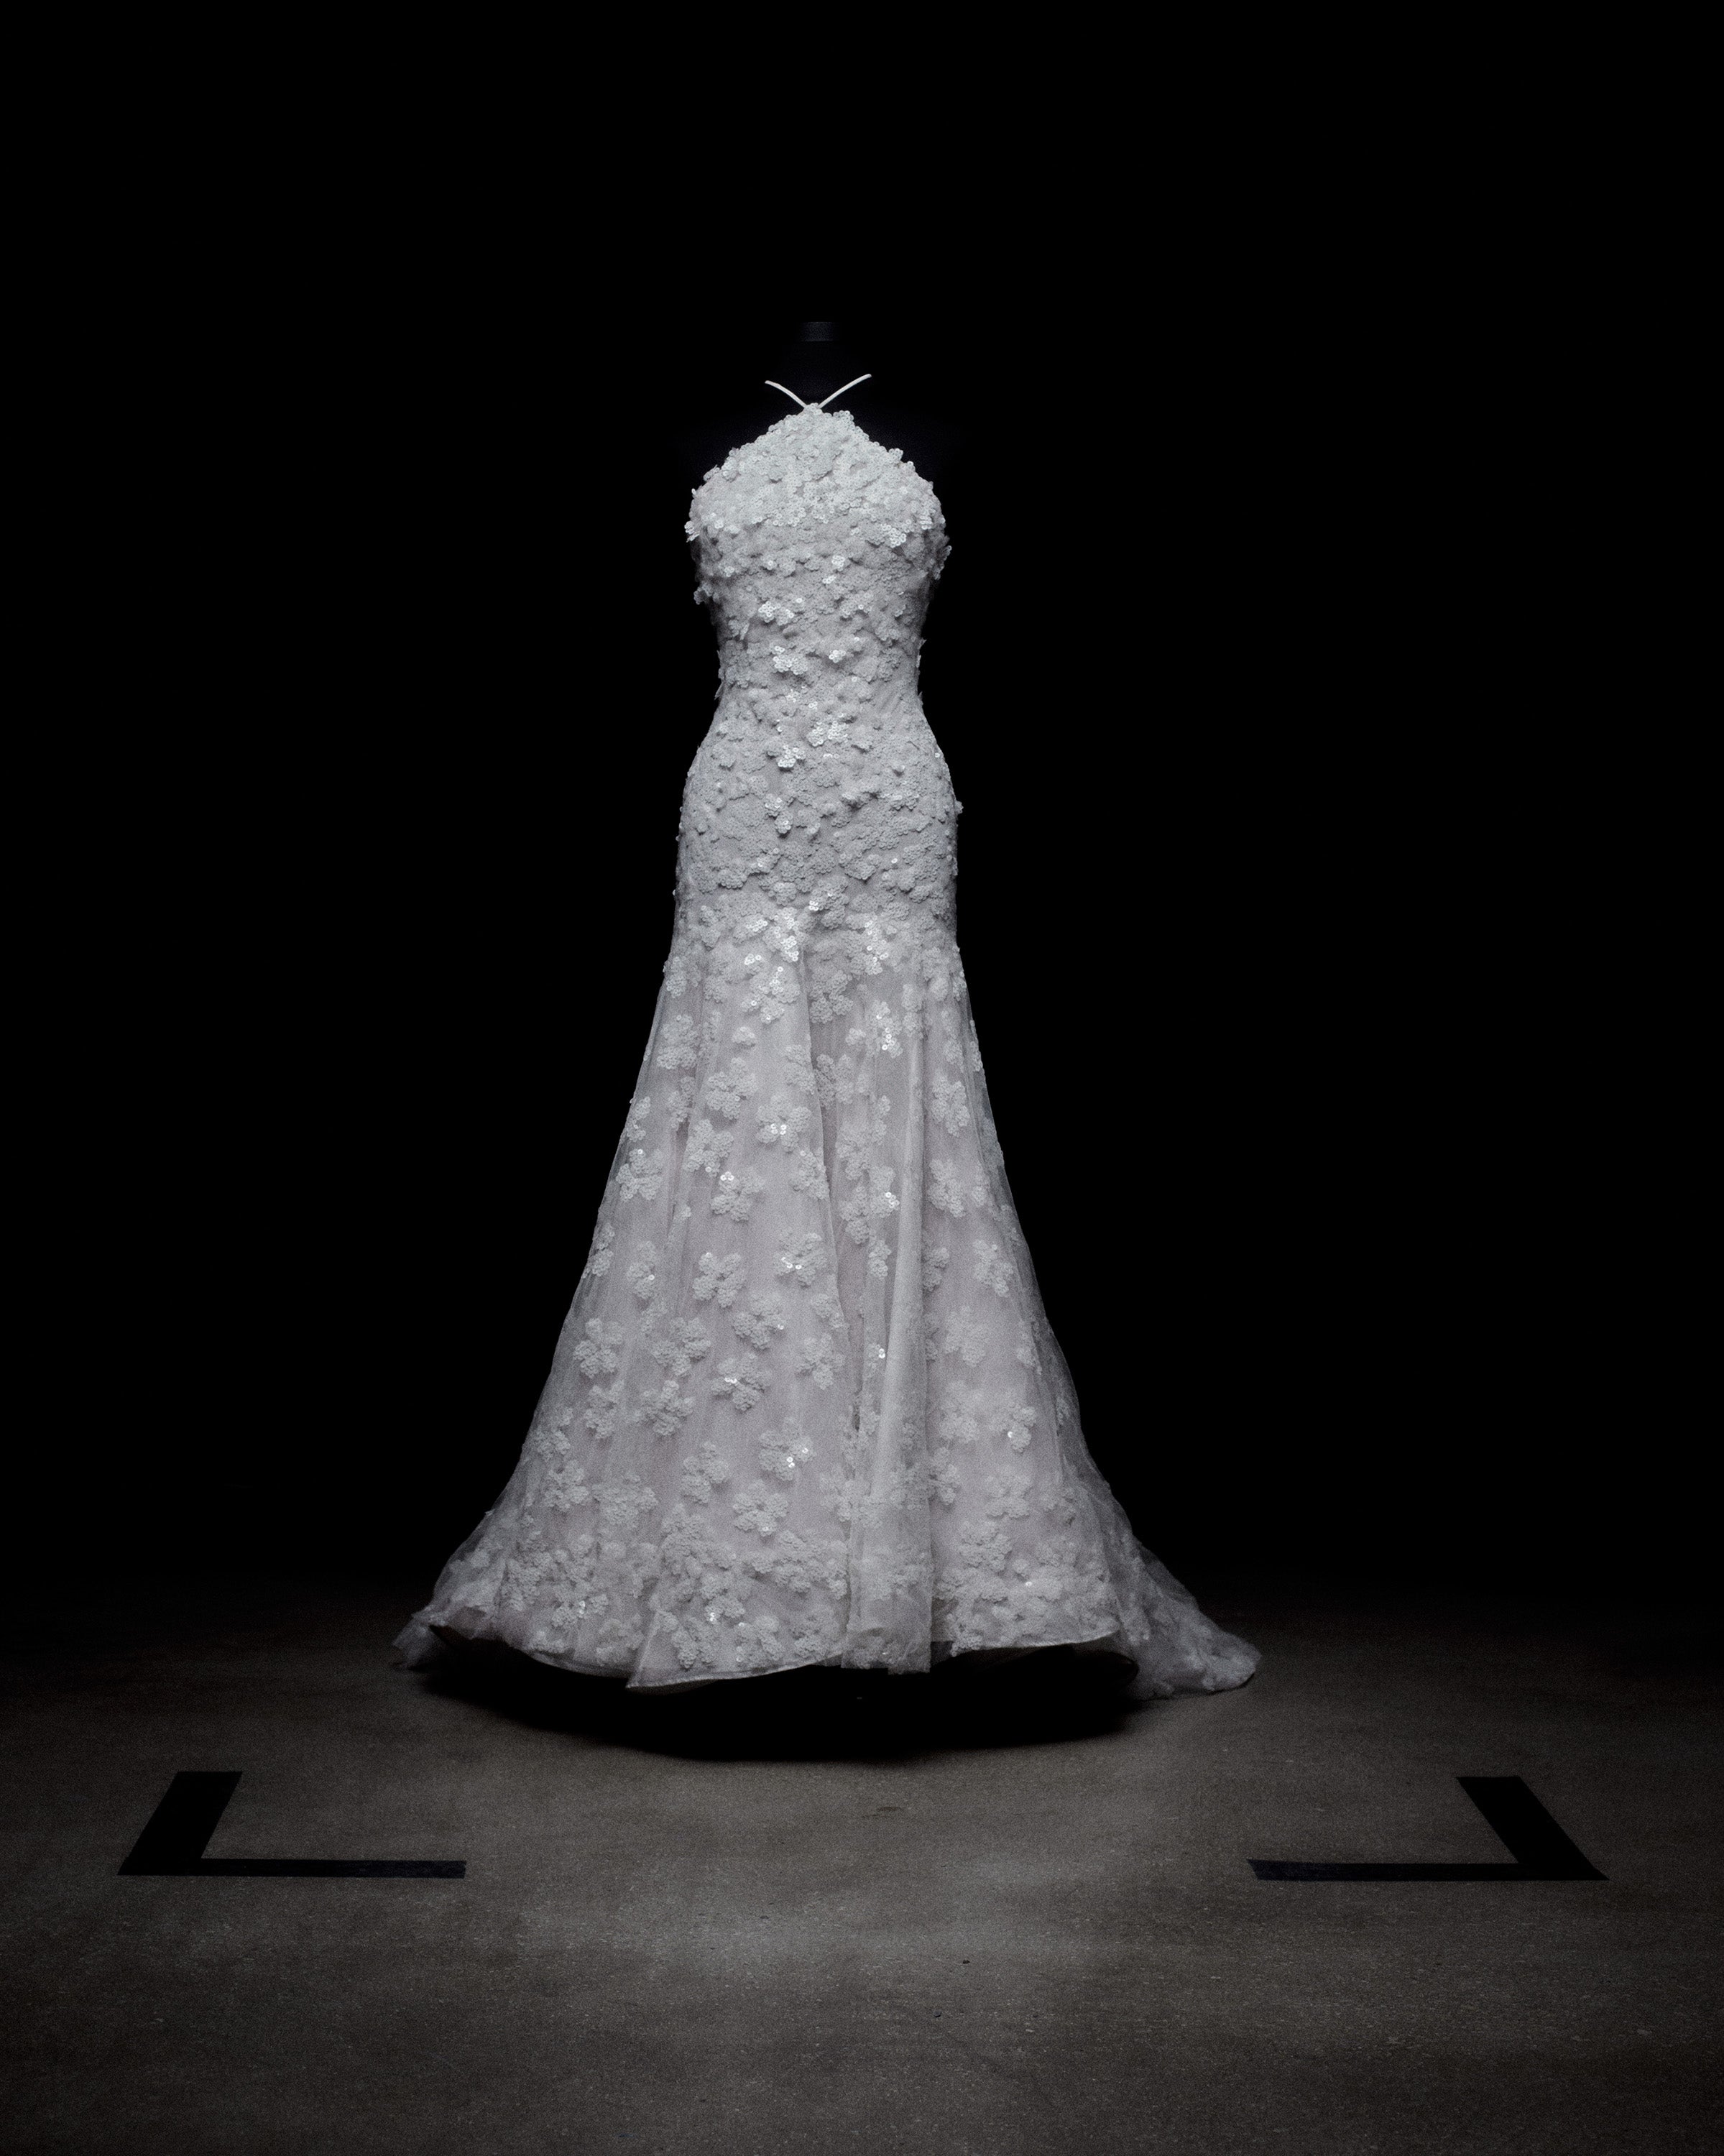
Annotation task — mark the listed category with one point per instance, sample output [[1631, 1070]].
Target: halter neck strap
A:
[[802, 406]]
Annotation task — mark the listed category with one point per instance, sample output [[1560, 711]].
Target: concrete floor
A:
[[839, 1918]]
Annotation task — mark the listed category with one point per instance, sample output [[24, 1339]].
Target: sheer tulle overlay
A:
[[806, 1408]]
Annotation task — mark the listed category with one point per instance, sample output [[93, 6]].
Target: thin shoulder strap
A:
[[801, 405]]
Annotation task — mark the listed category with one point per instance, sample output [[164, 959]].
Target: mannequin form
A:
[[815, 364]]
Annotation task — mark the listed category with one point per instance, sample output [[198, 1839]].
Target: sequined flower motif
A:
[[642, 1174], [665, 1411], [743, 1380], [708, 1149], [643, 1275], [596, 1356], [759, 1318], [718, 1279], [735, 1195], [782, 1121], [679, 1344]]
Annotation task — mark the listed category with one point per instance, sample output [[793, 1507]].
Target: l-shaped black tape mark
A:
[[1540, 1848], [172, 1846], [1530, 1834]]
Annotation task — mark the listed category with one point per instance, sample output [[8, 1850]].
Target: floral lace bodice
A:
[[819, 787]]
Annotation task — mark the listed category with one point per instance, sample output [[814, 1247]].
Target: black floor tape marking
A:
[[1540, 1848], [172, 1846]]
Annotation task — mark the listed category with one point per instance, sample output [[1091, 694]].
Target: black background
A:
[[1283, 663]]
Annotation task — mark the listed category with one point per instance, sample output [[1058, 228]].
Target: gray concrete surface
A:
[[857, 1919]]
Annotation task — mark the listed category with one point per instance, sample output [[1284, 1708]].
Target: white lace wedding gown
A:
[[805, 1407]]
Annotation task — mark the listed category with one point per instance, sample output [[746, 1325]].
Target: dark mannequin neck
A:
[[812, 368]]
